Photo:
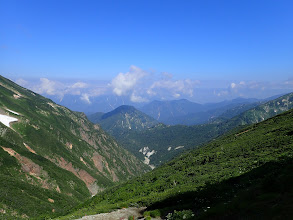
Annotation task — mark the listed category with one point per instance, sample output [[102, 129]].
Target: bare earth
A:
[[121, 214]]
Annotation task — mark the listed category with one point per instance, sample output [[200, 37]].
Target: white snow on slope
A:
[[179, 147], [150, 153], [7, 119], [12, 111]]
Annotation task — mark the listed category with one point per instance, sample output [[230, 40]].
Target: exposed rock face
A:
[[29, 148], [36, 173], [81, 174]]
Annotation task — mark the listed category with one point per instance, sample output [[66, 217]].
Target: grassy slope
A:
[[235, 155], [49, 129], [161, 137]]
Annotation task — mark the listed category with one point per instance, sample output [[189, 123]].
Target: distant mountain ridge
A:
[[162, 110], [165, 142], [184, 112], [246, 174], [123, 118]]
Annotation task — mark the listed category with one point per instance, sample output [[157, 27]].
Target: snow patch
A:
[[16, 96], [179, 147], [150, 153], [7, 119], [169, 148], [144, 150], [146, 161], [12, 111], [152, 166], [147, 152]]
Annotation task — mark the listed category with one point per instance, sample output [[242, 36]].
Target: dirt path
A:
[[121, 214]]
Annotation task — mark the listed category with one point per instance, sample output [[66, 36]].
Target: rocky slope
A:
[[246, 174], [45, 146]]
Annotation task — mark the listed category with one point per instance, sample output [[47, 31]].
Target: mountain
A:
[[53, 158], [184, 112], [161, 143], [103, 103], [123, 118], [163, 110], [244, 175]]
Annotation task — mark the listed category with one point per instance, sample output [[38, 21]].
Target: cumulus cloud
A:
[[58, 88], [176, 87], [49, 87], [140, 85], [248, 89], [124, 83]]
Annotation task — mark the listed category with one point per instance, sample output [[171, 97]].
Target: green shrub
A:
[[155, 213], [179, 215]]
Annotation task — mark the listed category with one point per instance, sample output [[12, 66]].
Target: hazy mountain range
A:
[[244, 174], [158, 143], [53, 159]]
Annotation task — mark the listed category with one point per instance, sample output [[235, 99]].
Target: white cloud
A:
[[22, 82], [176, 95], [175, 87], [57, 88], [139, 86], [50, 87], [86, 98], [233, 85], [124, 83], [136, 98], [79, 85]]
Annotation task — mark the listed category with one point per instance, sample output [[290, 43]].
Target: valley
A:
[[157, 143], [248, 169], [146, 110], [55, 157]]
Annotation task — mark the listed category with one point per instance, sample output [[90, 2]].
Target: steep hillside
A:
[[244, 175], [51, 156], [161, 143], [266, 110], [122, 119]]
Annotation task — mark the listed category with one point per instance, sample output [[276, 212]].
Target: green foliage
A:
[[53, 151], [153, 213], [212, 175], [179, 215], [123, 119], [165, 139]]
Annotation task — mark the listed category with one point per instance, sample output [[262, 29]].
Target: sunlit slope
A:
[[169, 141], [198, 172], [48, 147]]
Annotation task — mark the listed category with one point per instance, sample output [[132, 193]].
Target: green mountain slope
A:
[[165, 142], [122, 119], [244, 175], [53, 157]]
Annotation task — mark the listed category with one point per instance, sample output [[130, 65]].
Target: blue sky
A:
[[229, 40]]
